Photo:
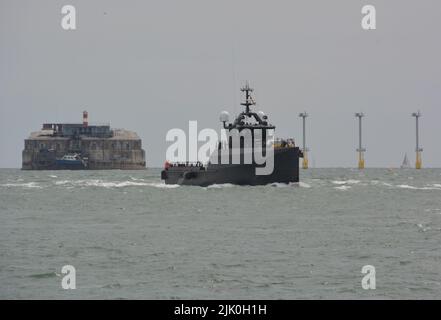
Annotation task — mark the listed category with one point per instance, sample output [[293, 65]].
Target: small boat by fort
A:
[[71, 162]]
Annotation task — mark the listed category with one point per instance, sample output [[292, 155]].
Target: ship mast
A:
[[241, 121], [248, 99]]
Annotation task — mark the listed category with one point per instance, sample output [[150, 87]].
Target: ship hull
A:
[[286, 170], [69, 165]]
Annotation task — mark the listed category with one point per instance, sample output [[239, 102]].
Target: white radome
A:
[[261, 114], [224, 116]]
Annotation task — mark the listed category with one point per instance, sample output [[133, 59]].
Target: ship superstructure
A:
[[235, 160]]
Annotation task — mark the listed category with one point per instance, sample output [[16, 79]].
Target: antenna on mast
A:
[[248, 99]]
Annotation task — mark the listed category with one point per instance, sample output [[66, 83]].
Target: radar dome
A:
[[261, 114], [224, 116]]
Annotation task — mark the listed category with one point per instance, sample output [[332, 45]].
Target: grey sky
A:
[[150, 66]]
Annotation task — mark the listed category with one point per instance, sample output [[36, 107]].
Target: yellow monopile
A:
[[305, 160], [418, 161], [360, 160]]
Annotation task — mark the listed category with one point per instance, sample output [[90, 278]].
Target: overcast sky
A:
[[149, 66]]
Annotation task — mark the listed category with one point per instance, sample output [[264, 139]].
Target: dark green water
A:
[[130, 236]]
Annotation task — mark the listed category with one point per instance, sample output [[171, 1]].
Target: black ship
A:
[[221, 168]]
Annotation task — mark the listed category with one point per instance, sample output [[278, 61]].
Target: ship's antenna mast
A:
[[248, 100]]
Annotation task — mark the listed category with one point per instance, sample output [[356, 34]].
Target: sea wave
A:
[[280, 185], [378, 182], [163, 185], [342, 182], [406, 186], [23, 185], [343, 188], [423, 228], [219, 186], [111, 184], [435, 210], [137, 179], [304, 185], [274, 184]]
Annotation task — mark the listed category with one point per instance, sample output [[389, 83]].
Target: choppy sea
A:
[[129, 236]]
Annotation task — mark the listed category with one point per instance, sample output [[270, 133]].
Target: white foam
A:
[[137, 179], [406, 186], [304, 185], [279, 184], [24, 185], [436, 210], [62, 182], [222, 185], [117, 184], [163, 185], [111, 184], [342, 182], [343, 188], [387, 184], [423, 228]]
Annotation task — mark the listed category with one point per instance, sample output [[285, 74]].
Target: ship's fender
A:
[[190, 175]]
